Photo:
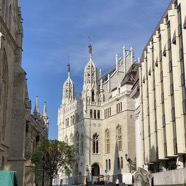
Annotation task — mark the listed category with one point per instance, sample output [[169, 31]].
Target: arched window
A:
[[121, 162], [107, 141], [82, 144], [106, 163], [90, 113], [109, 164], [119, 137], [77, 142], [4, 92], [93, 99], [118, 163], [95, 143], [94, 114], [98, 114]]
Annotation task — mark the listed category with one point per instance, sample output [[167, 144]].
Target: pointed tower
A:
[[68, 89], [45, 117], [90, 85], [36, 109]]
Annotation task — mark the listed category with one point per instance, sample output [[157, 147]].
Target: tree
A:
[[51, 156]]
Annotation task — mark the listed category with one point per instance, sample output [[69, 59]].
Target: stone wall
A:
[[173, 177]]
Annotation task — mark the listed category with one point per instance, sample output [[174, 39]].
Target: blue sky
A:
[[56, 32]]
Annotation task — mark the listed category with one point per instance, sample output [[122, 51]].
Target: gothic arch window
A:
[[118, 163], [93, 96], [4, 93], [106, 163], [90, 74], [82, 144], [68, 90], [107, 141], [95, 143], [77, 142], [90, 113], [121, 162], [98, 114], [94, 114], [119, 137], [109, 164]]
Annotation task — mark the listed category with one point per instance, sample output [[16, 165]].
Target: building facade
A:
[[35, 133], [16, 120], [100, 123], [163, 98]]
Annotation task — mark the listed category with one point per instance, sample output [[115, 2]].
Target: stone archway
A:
[[95, 169]]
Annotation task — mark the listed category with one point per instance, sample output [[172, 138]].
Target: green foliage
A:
[[51, 156], [184, 183], [133, 165]]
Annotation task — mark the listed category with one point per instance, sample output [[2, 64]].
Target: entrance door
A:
[[95, 169]]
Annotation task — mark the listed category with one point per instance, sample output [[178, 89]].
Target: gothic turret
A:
[[45, 116], [36, 109], [90, 86], [68, 89]]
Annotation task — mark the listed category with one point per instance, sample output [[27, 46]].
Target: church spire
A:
[[44, 116], [68, 71], [90, 51], [36, 109], [44, 110], [68, 89]]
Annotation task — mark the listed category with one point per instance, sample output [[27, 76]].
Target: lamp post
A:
[[129, 161]]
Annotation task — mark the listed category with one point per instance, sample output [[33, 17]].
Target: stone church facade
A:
[[100, 123], [20, 131]]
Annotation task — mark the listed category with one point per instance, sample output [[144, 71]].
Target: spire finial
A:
[[68, 70], [90, 50], [44, 110], [36, 109], [90, 47]]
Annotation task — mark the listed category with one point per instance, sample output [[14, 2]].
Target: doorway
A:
[[95, 169]]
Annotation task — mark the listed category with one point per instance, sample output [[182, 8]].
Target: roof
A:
[[131, 75]]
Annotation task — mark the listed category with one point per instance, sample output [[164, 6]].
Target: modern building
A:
[[162, 76], [100, 123], [16, 122]]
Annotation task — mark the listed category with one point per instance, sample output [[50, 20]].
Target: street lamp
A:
[[129, 161]]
